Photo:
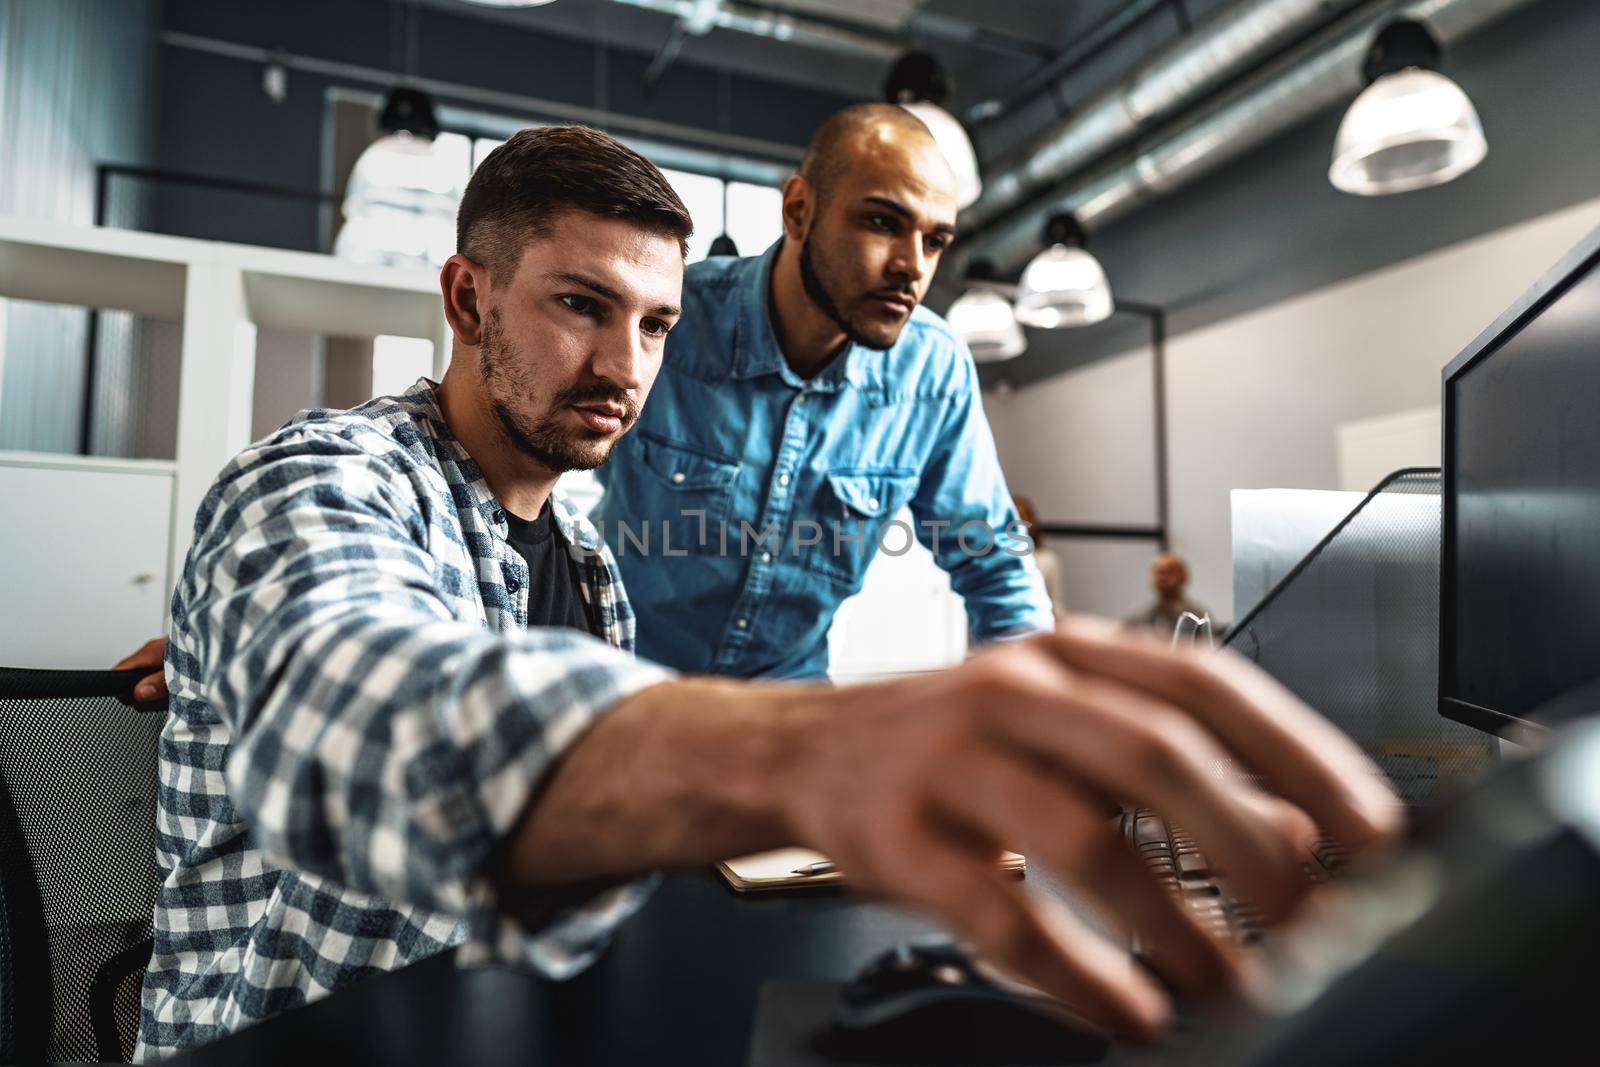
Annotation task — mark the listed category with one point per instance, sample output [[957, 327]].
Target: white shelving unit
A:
[[222, 293]]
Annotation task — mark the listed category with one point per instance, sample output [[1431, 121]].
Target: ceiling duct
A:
[[701, 16], [1326, 71], [1225, 45]]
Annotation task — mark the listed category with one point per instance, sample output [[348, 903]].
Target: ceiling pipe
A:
[[1086, 46], [701, 16], [1225, 45], [1318, 76]]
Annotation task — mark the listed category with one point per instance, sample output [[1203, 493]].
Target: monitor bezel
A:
[[1546, 291]]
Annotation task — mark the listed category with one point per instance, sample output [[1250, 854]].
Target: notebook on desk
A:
[[779, 869]]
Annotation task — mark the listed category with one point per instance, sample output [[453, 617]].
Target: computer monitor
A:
[[1520, 559]]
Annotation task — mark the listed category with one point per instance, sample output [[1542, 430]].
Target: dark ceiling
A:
[[1039, 57]]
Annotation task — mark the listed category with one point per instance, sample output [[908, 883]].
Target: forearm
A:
[[681, 774], [1004, 596]]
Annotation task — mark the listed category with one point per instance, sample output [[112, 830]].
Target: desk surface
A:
[[681, 981], [678, 985]]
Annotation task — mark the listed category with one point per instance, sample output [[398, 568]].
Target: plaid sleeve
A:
[[377, 740]]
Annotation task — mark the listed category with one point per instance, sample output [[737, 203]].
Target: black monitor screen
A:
[[1521, 626]]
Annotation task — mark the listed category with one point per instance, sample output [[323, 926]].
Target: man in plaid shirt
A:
[[404, 713]]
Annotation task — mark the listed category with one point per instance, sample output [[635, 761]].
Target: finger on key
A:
[[1269, 730], [1122, 742], [1064, 829]]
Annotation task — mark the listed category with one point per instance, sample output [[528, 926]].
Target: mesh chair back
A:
[[78, 873], [1353, 630]]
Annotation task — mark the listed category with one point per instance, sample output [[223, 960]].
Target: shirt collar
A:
[[467, 474], [756, 350]]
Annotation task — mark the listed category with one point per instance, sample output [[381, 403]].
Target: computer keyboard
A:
[[1175, 859]]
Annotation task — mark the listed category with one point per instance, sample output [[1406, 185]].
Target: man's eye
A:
[[884, 222], [656, 328], [938, 244], [583, 305]]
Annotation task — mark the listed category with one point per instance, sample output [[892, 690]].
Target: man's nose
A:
[[620, 357], [909, 264]]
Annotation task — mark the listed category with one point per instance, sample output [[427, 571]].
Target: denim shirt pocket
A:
[[858, 507], [690, 494]]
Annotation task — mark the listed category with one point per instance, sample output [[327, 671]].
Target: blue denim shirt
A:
[[747, 501]]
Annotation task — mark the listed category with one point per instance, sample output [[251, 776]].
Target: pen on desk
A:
[[820, 867]]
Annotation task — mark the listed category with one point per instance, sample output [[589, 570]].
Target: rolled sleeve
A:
[[963, 486]]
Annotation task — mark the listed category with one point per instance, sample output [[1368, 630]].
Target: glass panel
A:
[[755, 216], [131, 405]]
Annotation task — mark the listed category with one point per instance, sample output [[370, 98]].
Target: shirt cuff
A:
[[567, 944], [1032, 628], [543, 930]]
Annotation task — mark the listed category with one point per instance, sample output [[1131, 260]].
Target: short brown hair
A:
[[518, 192]]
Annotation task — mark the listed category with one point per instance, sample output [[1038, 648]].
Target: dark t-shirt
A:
[[555, 597]]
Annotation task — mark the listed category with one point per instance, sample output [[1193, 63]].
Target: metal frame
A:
[[1546, 291], [1158, 533]]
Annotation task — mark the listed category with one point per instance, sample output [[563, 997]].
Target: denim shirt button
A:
[[512, 585]]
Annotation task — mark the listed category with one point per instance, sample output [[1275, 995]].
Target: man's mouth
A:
[[602, 418], [902, 303]]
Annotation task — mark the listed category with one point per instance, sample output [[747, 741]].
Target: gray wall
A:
[[1255, 401], [1269, 225], [77, 82]]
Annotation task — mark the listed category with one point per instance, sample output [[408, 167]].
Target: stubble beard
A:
[[811, 281], [544, 439]]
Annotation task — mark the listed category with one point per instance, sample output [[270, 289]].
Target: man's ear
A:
[[799, 206], [465, 286]]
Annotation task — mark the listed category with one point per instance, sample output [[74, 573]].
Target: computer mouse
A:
[[930, 1002]]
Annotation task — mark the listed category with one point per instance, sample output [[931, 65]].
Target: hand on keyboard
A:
[[1173, 858], [912, 786]]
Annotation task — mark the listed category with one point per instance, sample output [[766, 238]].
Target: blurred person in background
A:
[[1169, 577]]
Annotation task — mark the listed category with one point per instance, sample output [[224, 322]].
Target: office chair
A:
[[78, 875]]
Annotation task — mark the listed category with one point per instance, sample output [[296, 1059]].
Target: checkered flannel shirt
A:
[[359, 714]]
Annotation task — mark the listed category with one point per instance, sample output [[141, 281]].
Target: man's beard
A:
[[544, 439], [811, 281]]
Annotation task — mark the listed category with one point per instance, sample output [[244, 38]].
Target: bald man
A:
[[806, 399]]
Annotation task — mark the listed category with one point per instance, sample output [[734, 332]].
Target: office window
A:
[[702, 195], [457, 150], [397, 362], [482, 146], [754, 216]]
